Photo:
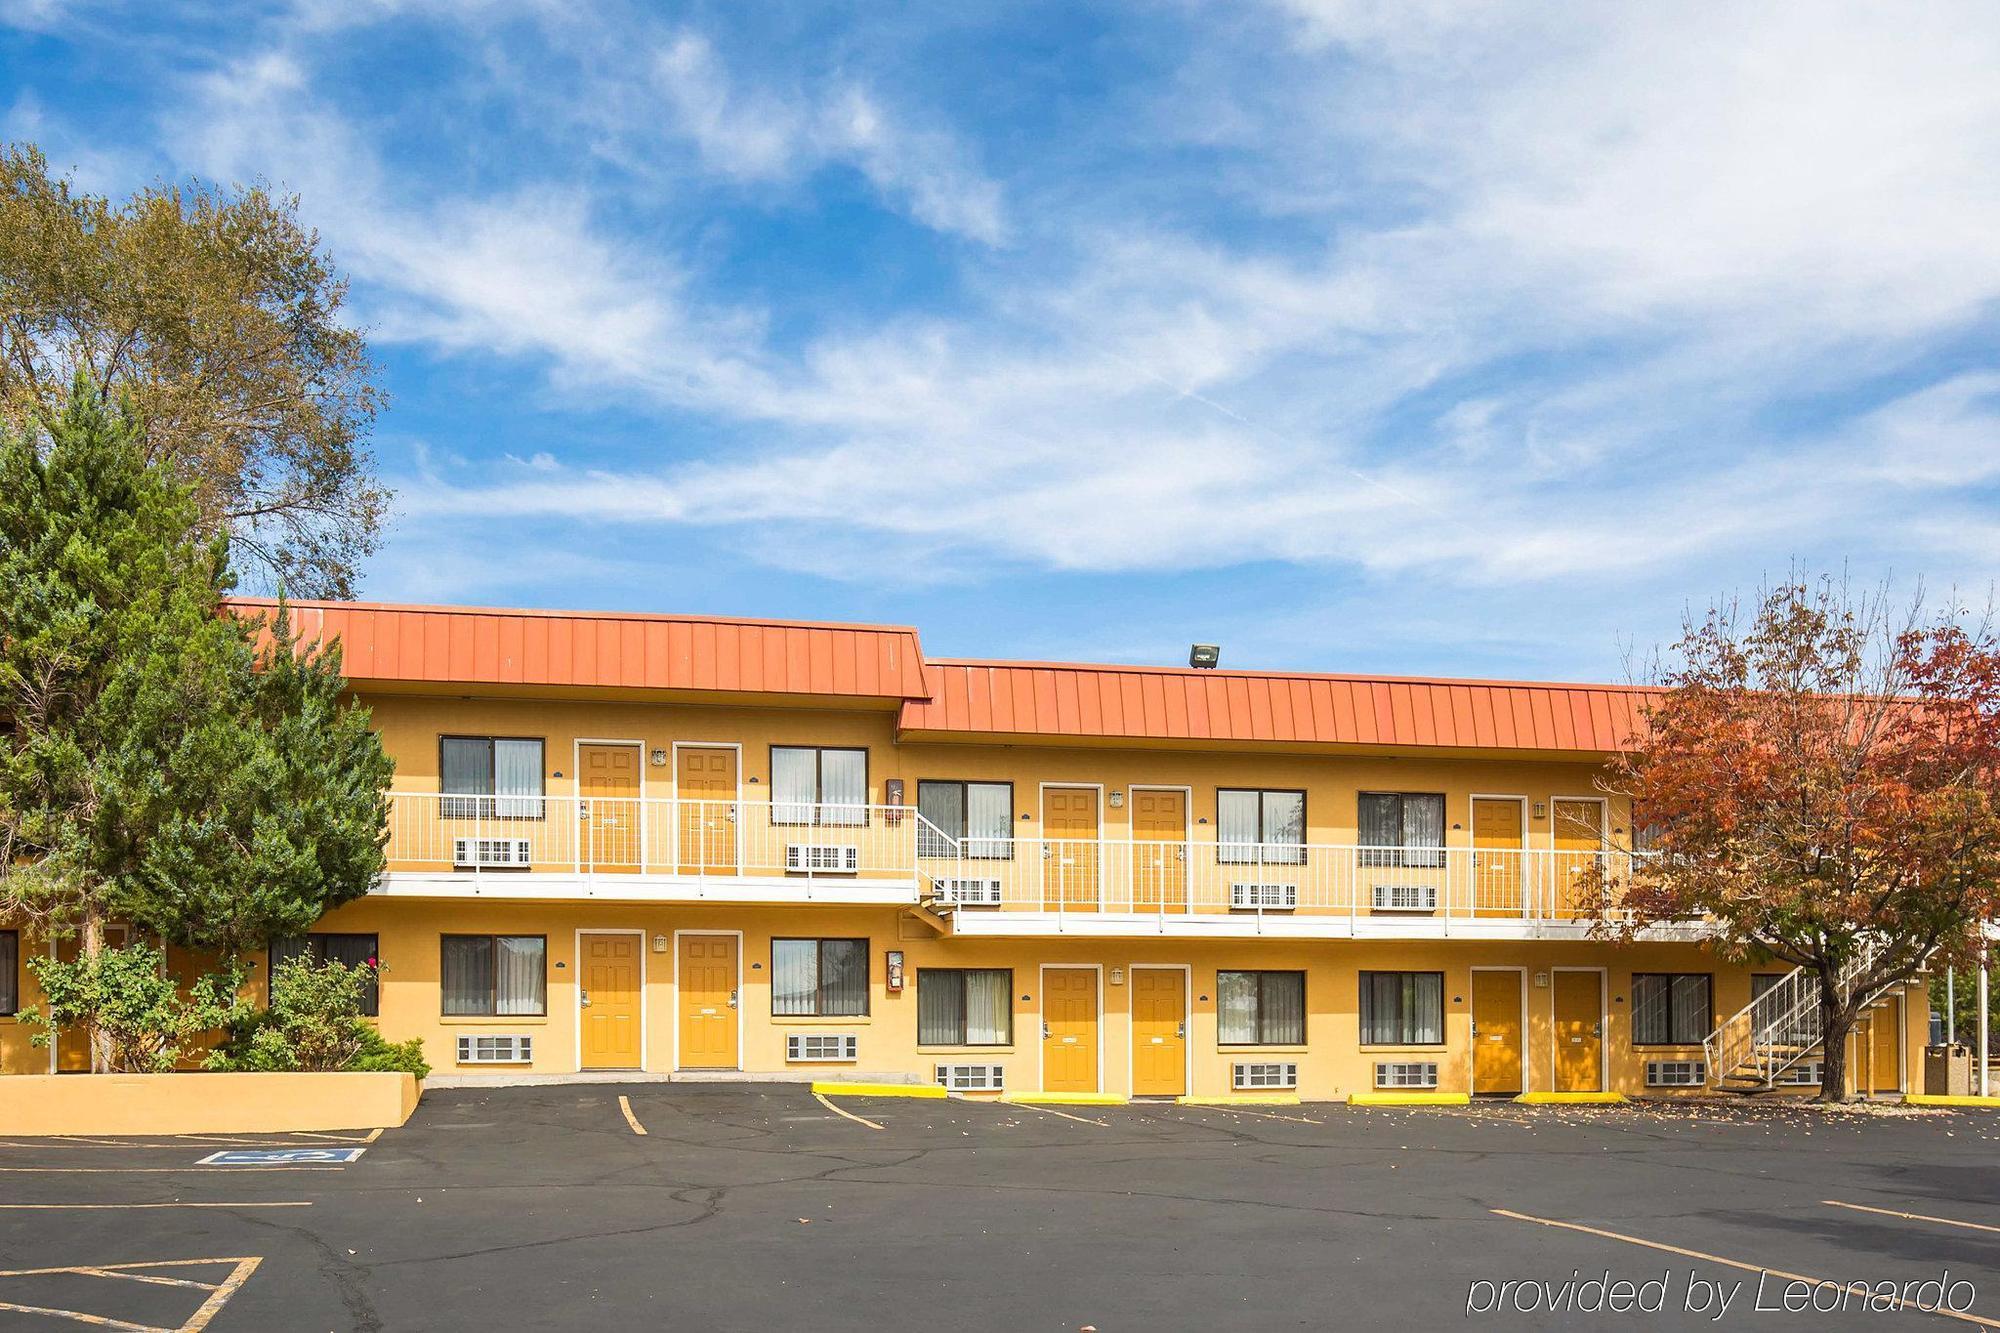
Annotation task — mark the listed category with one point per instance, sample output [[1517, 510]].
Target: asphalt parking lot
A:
[[759, 1206]]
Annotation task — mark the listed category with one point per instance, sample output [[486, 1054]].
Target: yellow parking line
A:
[[219, 1292], [96, 1207], [1911, 1217], [1261, 1115], [150, 1170], [100, 1321], [1050, 1110], [820, 1097], [625, 1105], [1705, 1257]]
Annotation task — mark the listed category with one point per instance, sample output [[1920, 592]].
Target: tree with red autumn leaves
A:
[[1822, 782]]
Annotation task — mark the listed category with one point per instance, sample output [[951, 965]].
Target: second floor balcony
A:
[[765, 851]]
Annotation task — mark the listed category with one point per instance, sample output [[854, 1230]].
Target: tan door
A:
[[1579, 1031], [1159, 851], [1578, 869], [705, 784], [1159, 1032], [1885, 1047], [706, 980], [1069, 1029], [73, 1044], [1496, 1031], [609, 973], [1069, 849], [608, 779], [1496, 858]]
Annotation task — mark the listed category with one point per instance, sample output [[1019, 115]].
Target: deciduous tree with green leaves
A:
[[165, 762], [218, 312], [1822, 778]]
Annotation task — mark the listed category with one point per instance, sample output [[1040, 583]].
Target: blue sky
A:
[[1405, 337]]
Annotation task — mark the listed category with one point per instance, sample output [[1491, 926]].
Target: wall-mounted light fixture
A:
[[1205, 655], [1117, 799], [1117, 976], [659, 944], [659, 759], [1541, 809], [1541, 978]]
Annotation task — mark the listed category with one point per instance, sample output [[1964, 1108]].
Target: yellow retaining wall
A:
[[37, 1104]]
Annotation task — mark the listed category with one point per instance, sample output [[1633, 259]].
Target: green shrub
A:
[[126, 996], [315, 1023]]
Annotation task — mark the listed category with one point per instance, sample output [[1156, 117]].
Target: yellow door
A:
[[1069, 849], [1579, 1031], [1159, 1032], [609, 972], [1496, 1031], [73, 1044], [1069, 1029], [1159, 851], [609, 782], [705, 783], [1885, 1047], [1578, 869], [1496, 858], [706, 980]]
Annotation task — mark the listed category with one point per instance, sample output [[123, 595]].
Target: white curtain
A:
[[794, 784], [987, 1007], [517, 778], [1236, 1008], [794, 976], [1423, 827], [843, 780], [522, 979], [1236, 819], [989, 815], [1284, 827]]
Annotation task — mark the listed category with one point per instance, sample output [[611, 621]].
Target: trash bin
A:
[[1948, 1070]]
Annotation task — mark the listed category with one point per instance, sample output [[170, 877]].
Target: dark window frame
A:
[[10, 997], [1406, 1021], [965, 814], [493, 997], [1669, 978], [959, 974], [478, 805], [1399, 855], [1258, 852], [818, 805], [1263, 975], [371, 1004], [819, 964]]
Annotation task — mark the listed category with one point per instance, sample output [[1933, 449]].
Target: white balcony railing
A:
[[508, 835]]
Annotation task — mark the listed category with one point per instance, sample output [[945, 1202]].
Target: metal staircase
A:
[[1775, 1031]]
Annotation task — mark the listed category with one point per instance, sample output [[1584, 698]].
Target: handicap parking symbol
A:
[[281, 1156]]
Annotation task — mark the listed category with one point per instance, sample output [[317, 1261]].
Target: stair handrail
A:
[[1785, 1015]]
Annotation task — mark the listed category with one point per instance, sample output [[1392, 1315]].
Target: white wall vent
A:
[[972, 1078], [1277, 897], [1804, 1074], [820, 1047], [1406, 1074], [829, 857], [969, 892], [492, 1048], [1404, 898], [1676, 1074], [1266, 1074], [508, 853]]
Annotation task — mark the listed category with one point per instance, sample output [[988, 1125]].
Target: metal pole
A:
[[1951, 1007], [1985, 1084]]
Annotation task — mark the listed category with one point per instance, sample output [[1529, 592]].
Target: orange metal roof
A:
[[384, 642], [1176, 703], [480, 645]]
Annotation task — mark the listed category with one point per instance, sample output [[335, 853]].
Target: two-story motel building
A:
[[715, 847]]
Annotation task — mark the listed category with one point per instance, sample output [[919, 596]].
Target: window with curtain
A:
[[10, 971], [978, 814], [819, 978], [1402, 1008], [484, 777], [494, 976], [1254, 826], [349, 950], [1260, 1008], [965, 1006], [818, 785], [1404, 826], [1671, 1008]]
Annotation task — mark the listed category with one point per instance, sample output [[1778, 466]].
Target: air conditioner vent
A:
[[1267, 1074], [1404, 898], [1406, 1074], [1804, 1074], [972, 1078], [489, 1048], [820, 1047], [827, 857], [489, 853], [969, 892], [1270, 897], [1676, 1074]]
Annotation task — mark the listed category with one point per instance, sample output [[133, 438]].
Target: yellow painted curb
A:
[[1571, 1098], [1409, 1099], [1248, 1099], [1932, 1099], [1064, 1098], [879, 1090]]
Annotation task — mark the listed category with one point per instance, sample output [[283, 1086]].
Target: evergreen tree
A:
[[165, 763]]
